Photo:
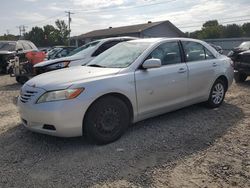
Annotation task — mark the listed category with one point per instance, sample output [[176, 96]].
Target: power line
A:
[[120, 8]]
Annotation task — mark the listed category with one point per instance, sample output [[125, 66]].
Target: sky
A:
[[187, 15]]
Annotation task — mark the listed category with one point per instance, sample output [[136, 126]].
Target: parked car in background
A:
[[81, 55], [217, 48], [59, 52], [131, 81], [8, 49], [241, 58]]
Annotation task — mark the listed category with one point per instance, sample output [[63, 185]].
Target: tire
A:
[[217, 94], [106, 120], [239, 77], [22, 79]]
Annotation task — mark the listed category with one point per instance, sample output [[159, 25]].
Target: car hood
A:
[[64, 78], [52, 61]]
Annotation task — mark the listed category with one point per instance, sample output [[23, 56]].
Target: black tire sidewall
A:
[[210, 102], [95, 109]]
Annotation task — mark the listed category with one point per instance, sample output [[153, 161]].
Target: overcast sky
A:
[[89, 15]]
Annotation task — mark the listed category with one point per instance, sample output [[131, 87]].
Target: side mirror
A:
[[151, 63]]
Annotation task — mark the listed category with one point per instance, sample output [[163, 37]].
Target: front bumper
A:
[[66, 116]]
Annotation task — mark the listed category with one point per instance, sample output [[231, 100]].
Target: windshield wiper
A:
[[95, 65]]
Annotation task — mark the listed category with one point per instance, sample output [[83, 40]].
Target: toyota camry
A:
[[131, 81]]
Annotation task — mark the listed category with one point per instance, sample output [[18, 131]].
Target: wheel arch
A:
[[122, 97], [224, 79]]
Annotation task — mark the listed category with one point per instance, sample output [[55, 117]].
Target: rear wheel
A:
[[106, 120], [239, 77], [217, 94]]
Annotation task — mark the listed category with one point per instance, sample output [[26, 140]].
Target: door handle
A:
[[182, 70], [214, 64]]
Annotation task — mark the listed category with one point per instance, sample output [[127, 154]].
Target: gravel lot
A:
[[192, 147]]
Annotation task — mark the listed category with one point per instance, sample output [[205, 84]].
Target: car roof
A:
[[155, 40], [116, 38]]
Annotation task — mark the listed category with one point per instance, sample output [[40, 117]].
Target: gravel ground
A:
[[192, 147]]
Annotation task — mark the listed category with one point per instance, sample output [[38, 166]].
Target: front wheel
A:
[[217, 94], [106, 120]]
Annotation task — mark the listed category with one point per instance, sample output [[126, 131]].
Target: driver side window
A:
[[168, 53]]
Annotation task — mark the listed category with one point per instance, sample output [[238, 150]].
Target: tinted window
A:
[[7, 46], [82, 48], [168, 53], [104, 47], [63, 53], [194, 51]]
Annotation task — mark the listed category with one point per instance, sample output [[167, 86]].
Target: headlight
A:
[[59, 65], [65, 94]]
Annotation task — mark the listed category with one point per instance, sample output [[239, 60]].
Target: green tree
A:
[[210, 29], [63, 31], [36, 35], [211, 23], [49, 35], [246, 29], [9, 37], [232, 30]]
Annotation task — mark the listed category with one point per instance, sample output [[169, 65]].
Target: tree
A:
[[211, 23], [63, 31], [232, 30], [9, 37], [210, 29], [49, 35], [246, 29], [36, 35]]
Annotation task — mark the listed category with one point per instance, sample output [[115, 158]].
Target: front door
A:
[[164, 88]]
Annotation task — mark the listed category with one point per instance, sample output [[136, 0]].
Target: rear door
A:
[[164, 88], [202, 67]]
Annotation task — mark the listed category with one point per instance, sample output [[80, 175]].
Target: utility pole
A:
[[69, 21], [22, 29]]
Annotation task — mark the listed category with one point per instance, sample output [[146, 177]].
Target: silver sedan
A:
[[129, 82]]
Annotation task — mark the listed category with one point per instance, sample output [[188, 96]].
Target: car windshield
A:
[[121, 55], [83, 48], [245, 45], [7, 46]]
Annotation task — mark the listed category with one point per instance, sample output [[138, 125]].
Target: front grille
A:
[[27, 95]]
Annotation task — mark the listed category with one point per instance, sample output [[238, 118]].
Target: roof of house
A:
[[127, 29]]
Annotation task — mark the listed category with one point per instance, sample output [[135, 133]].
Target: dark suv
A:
[[8, 49], [241, 58]]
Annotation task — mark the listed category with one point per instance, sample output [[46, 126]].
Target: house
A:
[[150, 29]]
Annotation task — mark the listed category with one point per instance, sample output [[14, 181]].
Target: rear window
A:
[[7, 46]]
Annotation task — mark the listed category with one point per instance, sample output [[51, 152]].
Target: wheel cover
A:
[[108, 121], [218, 93]]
